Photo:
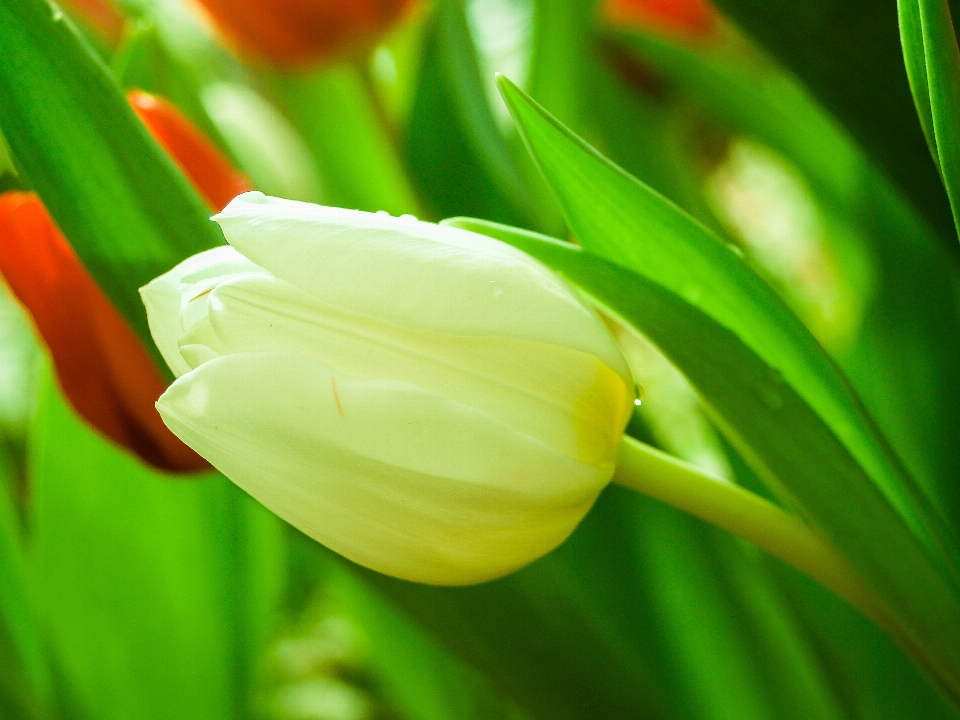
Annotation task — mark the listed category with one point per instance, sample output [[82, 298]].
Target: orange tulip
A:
[[204, 165], [693, 19], [102, 366], [301, 32], [101, 15]]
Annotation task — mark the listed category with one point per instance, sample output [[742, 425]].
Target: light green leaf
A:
[[25, 682], [158, 594], [335, 112]]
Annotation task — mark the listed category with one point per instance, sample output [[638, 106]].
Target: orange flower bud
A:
[[101, 15], [204, 165], [102, 366], [694, 19], [301, 32]]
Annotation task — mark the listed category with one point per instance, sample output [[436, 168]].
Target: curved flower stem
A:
[[730, 507], [785, 536]]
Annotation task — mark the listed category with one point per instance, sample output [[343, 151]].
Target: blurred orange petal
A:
[[300, 32], [102, 15], [204, 165], [103, 368], [693, 19]]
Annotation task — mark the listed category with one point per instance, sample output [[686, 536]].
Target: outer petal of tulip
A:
[[429, 402], [102, 366], [391, 476], [204, 165], [694, 19], [300, 32]]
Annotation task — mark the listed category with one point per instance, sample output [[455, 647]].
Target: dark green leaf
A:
[[848, 53], [122, 203], [943, 78]]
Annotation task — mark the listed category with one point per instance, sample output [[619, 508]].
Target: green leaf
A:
[[158, 595], [145, 62], [124, 206], [934, 72], [902, 359], [915, 60], [847, 52], [749, 393], [25, 683]]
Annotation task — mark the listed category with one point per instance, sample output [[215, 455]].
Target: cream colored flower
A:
[[426, 401]]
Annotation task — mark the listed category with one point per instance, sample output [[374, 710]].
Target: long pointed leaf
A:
[[124, 206], [943, 75]]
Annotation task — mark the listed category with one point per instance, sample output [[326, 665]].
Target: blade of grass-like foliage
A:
[[769, 420], [943, 77], [915, 60], [124, 206], [847, 52], [157, 595], [907, 342], [456, 153]]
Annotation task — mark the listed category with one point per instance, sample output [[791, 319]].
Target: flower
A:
[[213, 176], [690, 19], [302, 32], [102, 366], [428, 402], [101, 15]]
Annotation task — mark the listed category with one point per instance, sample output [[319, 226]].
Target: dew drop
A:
[[640, 393], [496, 289]]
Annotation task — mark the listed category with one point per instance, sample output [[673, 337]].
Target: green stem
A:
[[731, 508]]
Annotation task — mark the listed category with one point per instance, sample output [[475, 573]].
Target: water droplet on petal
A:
[[640, 392], [496, 289]]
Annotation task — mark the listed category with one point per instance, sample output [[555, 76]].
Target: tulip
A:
[[213, 176], [426, 401], [101, 15], [691, 19], [102, 367], [302, 32]]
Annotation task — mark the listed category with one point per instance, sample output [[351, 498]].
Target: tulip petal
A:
[[564, 398], [390, 476], [204, 165], [301, 32], [414, 274], [102, 366], [163, 297]]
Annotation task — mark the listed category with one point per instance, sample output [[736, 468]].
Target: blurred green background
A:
[[787, 128]]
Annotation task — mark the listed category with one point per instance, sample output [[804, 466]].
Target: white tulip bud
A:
[[428, 402]]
